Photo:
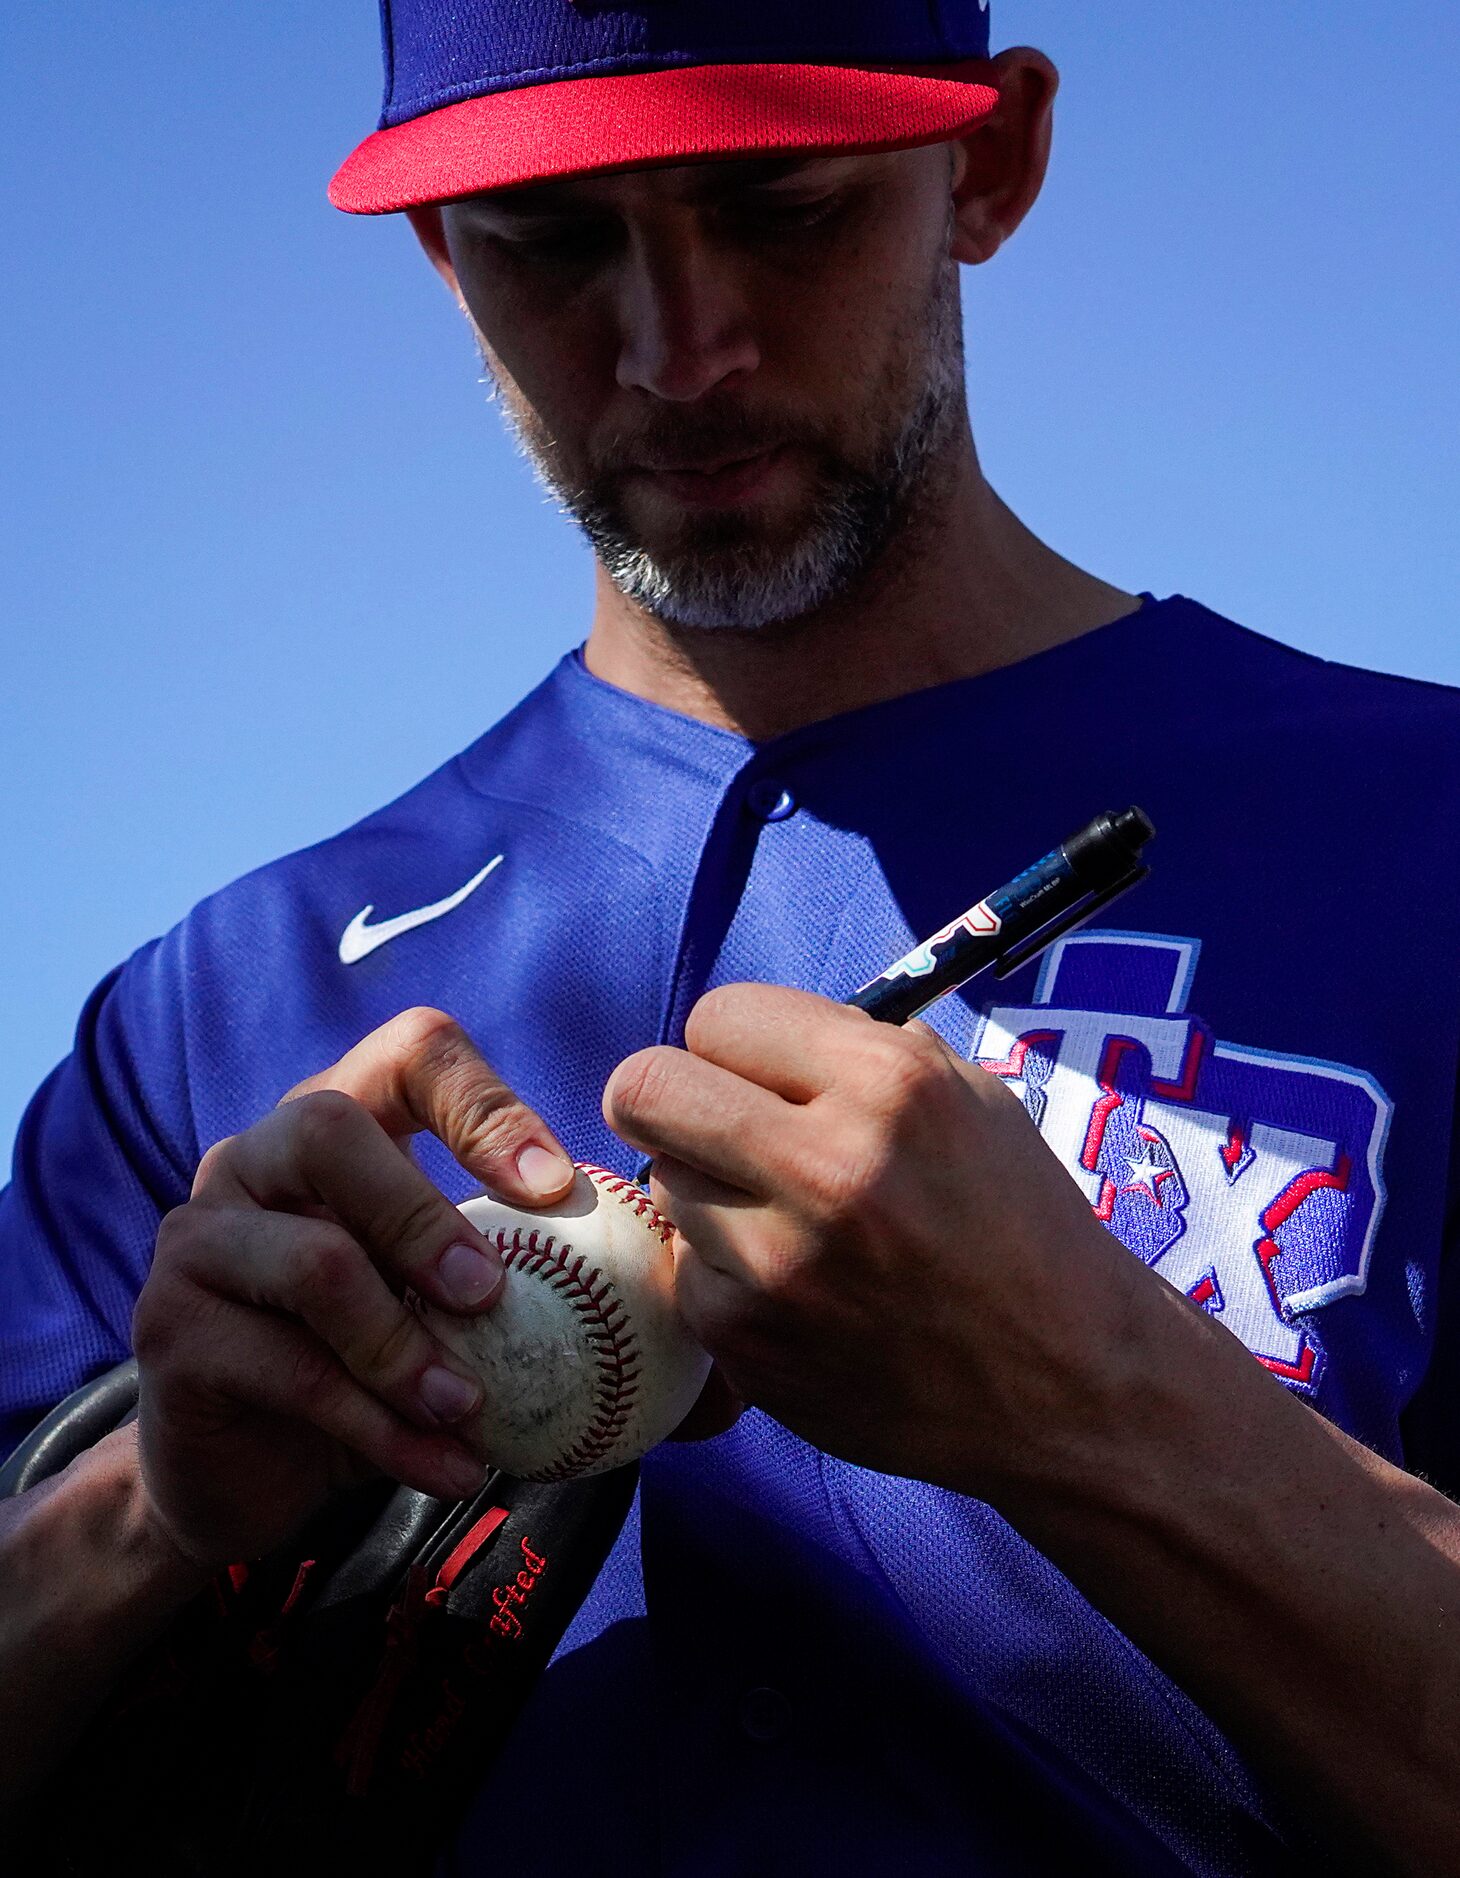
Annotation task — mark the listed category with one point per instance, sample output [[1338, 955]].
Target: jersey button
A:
[[769, 801], [765, 1714]]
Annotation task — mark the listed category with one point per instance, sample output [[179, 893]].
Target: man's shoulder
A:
[[283, 967], [1282, 663], [407, 852], [433, 815], [1280, 683]]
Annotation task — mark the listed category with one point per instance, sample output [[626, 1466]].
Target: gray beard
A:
[[725, 582]]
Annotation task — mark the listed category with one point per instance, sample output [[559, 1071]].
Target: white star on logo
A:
[[1146, 1177]]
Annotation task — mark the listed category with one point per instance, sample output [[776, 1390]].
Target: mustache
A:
[[689, 442]]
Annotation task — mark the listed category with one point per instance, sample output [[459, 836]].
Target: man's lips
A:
[[718, 482]]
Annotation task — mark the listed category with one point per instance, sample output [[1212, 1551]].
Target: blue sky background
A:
[[266, 558]]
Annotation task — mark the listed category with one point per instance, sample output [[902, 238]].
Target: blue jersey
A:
[[1253, 1080]]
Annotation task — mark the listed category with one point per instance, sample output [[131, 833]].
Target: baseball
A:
[[584, 1359]]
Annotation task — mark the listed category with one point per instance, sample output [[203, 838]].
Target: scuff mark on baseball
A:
[[584, 1360]]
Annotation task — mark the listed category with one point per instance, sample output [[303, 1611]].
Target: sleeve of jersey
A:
[[105, 1148]]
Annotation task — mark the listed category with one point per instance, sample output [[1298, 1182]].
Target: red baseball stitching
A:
[[629, 1193], [606, 1329]]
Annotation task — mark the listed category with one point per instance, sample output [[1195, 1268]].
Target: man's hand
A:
[[279, 1362], [875, 1244], [880, 1251]]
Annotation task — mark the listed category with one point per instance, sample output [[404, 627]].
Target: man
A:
[[1018, 1559]]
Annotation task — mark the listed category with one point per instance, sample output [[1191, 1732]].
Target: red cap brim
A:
[[687, 114]]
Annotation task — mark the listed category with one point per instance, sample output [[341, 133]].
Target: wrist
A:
[[162, 1575], [86, 1585], [1127, 1413], [90, 1561]]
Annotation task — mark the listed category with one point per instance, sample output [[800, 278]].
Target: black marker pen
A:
[[1016, 922]]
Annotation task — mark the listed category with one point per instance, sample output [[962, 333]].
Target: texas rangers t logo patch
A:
[[1252, 1181]]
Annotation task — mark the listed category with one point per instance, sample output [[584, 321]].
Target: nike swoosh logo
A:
[[359, 939]]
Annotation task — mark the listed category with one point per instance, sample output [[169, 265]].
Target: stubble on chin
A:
[[726, 571]]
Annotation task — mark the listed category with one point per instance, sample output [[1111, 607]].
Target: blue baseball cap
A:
[[494, 94]]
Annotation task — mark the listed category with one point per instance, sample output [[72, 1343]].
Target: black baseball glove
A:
[[333, 1706]]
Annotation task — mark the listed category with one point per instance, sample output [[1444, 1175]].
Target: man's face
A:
[[736, 376]]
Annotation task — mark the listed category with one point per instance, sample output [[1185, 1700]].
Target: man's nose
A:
[[684, 324]]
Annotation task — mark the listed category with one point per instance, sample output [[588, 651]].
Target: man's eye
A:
[[557, 240], [788, 213]]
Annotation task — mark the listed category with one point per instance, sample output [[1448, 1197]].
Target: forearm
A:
[[86, 1582], [1301, 1590]]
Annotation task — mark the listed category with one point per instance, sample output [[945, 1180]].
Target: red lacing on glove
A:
[[359, 1745], [463, 1553], [228, 1588], [264, 1650]]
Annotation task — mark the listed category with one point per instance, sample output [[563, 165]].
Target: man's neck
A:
[[963, 589]]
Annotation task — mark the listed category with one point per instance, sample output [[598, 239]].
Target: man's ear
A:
[[999, 168], [431, 233]]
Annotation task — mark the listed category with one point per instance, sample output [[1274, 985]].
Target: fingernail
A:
[[465, 1475], [469, 1276], [542, 1172], [446, 1395]]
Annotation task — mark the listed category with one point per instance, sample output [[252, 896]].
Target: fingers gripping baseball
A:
[[326, 1148], [315, 1272], [280, 1354], [420, 1072], [271, 1381]]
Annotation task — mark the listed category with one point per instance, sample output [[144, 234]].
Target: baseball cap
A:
[[494, 94]]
